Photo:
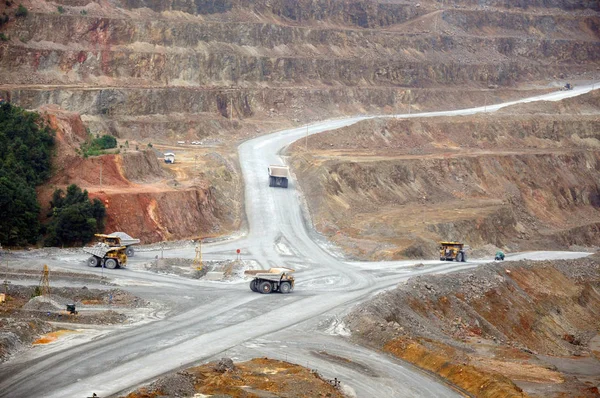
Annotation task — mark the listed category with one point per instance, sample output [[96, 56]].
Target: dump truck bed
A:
[[100, 250], [126, 240], [277, 270], [278, 171]]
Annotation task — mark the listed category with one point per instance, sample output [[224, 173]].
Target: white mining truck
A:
[[272, 280], [278, 176]]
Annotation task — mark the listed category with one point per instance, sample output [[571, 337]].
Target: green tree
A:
[[19, 223], [74, 219], [25, 149]]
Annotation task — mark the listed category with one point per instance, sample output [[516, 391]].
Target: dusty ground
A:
[[187, 267], [259, 377], [520, 180], [509, 329], [26, 319]]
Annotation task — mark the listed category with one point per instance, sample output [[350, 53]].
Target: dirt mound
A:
[[46, 303], [16, 334], [496, 329], [261, 377]]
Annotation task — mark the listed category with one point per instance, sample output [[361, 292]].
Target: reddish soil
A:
[[259, 377], [144, 197]]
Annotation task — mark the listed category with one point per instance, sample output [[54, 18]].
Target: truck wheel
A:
[[110, 263], [285, 287], [253, 286], [284, 183], [130, 251], [463, 258], [265, 287], [271, 181], [92, 261]]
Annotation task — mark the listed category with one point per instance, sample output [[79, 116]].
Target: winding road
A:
[[204, 320]]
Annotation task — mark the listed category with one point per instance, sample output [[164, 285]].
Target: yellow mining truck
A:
[[272, 280], [452, 251], [107, 256], [118, 239]]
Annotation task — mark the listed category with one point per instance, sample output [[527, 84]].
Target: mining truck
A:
[[118, 239], [107, 256], [452, 251], [272, 280], [278, 176]]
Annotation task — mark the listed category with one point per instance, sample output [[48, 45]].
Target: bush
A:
[[83, 12], [97, 146], [74, 219], [3, 37], [21, 11], [60, 9]]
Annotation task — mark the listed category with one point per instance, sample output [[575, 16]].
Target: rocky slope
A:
[[512, 330], [524, 179], [219, 72]]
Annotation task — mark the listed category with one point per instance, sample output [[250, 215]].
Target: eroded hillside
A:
[[526, 178], [218, 72], [511, 330], [190, 199]]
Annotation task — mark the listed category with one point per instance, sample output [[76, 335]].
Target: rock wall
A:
[[213, 60]]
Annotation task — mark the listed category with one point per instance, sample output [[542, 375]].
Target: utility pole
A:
[[231, 107], [45, 282], [198, 258], [100, 171]]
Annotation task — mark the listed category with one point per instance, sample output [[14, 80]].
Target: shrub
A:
[[60, 9], [97, 146], [83, 12], [3, 37], [21, 11]]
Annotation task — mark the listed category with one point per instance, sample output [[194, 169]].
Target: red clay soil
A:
[[154, 207]]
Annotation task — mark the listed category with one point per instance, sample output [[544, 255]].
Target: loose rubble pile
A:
[[24, 316], [259, 377]]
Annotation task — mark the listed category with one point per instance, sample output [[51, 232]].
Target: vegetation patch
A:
[[26, 143], [98, 145]]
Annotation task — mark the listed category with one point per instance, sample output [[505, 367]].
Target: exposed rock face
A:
[[239, 59], [524, 181], [163, 71]]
